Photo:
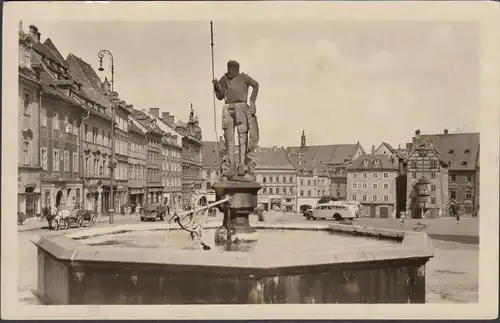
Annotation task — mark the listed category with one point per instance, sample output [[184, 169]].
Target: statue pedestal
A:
[[236, 227]]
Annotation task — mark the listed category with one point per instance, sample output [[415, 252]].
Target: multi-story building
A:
[[28, 188], [154, 185], [424, 161], [278, 178], [461, 152], [191, 157], [316, 166], [371, 181], [97, 141], [137, 155], [211, 167], [60, 114], [171, 158]]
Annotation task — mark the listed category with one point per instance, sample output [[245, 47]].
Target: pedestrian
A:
[[454, 210], [402, 217]]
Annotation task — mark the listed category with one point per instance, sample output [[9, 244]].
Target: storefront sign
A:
[[136, 191], [275, 200]]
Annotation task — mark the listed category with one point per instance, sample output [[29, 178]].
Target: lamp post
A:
[[112, 164]]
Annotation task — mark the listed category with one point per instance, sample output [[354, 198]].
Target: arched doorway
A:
[[30, 201], [59, 197], [202, 200]]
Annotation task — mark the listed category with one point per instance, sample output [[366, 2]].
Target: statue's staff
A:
[[213, 93]]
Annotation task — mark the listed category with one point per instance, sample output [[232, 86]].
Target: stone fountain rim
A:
[[414, 246]]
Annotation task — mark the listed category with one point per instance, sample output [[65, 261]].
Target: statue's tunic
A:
[[235, 92]]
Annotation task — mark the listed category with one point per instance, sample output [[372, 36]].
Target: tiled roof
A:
[[210, 154], [143, 119], [77, 69], [133, 127], [373, 162], [272, 158], [325, 154], [53, 49], [267, 157], [461, 149]]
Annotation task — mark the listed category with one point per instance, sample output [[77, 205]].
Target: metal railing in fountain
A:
[[192, 221]]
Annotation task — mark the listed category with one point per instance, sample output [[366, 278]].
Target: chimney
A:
[[165, 117], [417, 134], [373, 149], [34, 33], [171, 119], [155, 112], [445, 131]]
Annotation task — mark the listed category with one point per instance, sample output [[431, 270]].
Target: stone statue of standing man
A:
[[237, 113]]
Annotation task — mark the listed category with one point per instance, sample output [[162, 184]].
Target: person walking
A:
[[454, 210]]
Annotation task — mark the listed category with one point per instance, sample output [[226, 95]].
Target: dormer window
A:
[[365, 163], [467, 151], [376, 162], [464, 163], [451, 151]]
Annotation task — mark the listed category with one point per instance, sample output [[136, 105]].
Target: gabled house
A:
[[425, 161]]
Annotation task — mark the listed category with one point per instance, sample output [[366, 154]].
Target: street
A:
[[448, 280]]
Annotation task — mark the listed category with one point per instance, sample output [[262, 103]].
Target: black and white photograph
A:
[[232, 155]]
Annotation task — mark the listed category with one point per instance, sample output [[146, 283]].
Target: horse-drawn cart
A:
[[65, 219]]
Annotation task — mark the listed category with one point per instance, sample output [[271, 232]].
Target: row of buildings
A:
[[295, 178], [65, 141]]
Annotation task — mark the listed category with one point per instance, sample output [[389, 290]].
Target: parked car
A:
[[336, 210]]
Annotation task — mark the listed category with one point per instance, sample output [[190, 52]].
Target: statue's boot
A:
[[231, 171]]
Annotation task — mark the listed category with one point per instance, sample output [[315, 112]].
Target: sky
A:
[[341, 82]]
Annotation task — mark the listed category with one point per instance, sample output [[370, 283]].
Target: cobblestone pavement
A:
[[452, 275]]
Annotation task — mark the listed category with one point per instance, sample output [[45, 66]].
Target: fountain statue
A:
[[237, 166]]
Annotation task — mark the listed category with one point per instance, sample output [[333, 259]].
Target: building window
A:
[[43, 117], [66, 161], [468, 195], [375, 175], [413, 175], [277, 179], [301, 182], [453, 194], [270, 190], [364, 197], [365, 175], [43, 157], [414, 164], [290, 180], [26, 153], [386, 198], [433, 188], [365, 186], [433, 163], [55, 121], [354, 185], [386, 175], [55, 162], [264, 190], [309, 193], [433, 200], [26, 103], [469, 178], [453, 178], [355, 175], [309, 182], [374, 198], [353, 197], [264, 179], [270, 179], [386, 186], [374, 185], [301, 193]]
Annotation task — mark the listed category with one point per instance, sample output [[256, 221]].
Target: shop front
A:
[[276, 204], [28, 194], [136, 195], [154, 195], [62, 195]]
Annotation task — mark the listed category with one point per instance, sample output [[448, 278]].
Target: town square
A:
[[157, 175]]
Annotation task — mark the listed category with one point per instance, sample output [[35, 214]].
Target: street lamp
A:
[[112, 164]]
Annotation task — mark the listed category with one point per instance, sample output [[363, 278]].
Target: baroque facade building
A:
[[211, 167], [137, 155]]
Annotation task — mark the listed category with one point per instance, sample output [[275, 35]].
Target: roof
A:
[[324, 154], [144, 120], [134, 128], [272, 158], [267, 157], [459, 149], [373, 162], [391, 150]]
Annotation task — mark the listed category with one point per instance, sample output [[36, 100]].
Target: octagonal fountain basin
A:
[[299, 263]]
